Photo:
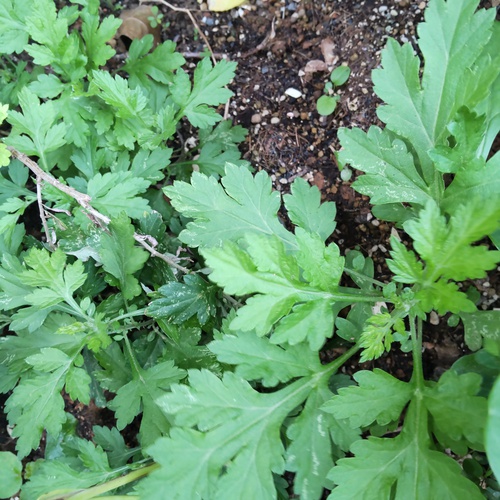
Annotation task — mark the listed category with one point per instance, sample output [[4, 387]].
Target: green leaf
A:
[[326, 104], [36, 404], [266, 269], [400, 468], [456, 411], [492, 437], [120, 257], [340, 75], [379, 397], [478, 181], [213, 158], [113, 443], [182, 301], [140, 395], [309, 454], [117, 192], [446, 246], [80, 466], [208, 89], [256, 358], [306, 210], [54, 279], [159, 65], [391, 175], [226, 211], [35, 131], [11, 470], [481, 325], [404, 263], [468, 131], [96, 35], [14, 36], [237, 446], [451, 40]]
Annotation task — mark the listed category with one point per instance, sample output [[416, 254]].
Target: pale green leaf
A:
[[226, 211], [306, 210], [391, 175], [451, 39], [237, 446], [379, 397], [14, 35], [117, 192], [181, 301], [400, 468], [309, 454], [11, 470], [256, 358]]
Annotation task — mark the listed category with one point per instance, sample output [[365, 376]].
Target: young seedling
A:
[[156, 17], [326, 104]]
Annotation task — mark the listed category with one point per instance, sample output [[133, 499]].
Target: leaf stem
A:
[[111, 485], [416, 335]]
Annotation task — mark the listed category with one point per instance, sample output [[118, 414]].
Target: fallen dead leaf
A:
[[327, 49]]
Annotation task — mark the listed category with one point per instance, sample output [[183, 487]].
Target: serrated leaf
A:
[[455, 409], [322, 265], [113, 443], [78, 384], [140, 395], [14, 35], [237, 446], [54, 279], [256, 358], [36, 404], [451, 39], [96, 35], [41, 139], [228, 210], [479, 181], [444, 297], [309, 454], [306, 210], [400, 468], [120, 257], [117, 192], [391, 175], [182, 301], [208, 89], [446, 247], [404, 263], [158, 65], [379, 397]]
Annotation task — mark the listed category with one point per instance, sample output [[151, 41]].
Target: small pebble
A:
[[293, 93], [275, 120], [256, 118]]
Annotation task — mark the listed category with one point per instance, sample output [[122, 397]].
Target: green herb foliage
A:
[[166, 288]]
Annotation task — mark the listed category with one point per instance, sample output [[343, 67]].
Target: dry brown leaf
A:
[[137, 25], [327, 49], [314, 66]]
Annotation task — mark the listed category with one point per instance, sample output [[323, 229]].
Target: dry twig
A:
[[84, 201]]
